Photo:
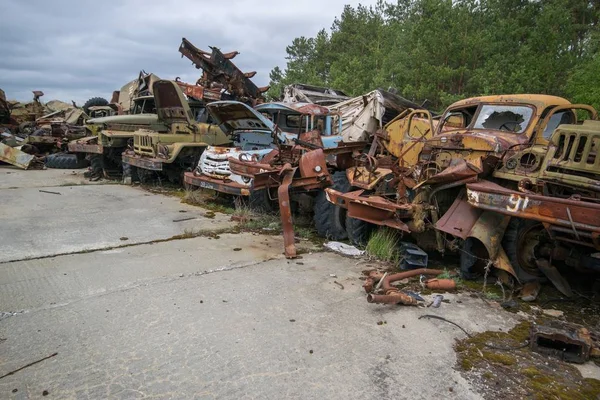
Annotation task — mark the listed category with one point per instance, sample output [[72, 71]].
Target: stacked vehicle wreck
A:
[[183, 135], [510, 182]]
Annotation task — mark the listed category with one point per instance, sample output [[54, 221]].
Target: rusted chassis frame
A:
[[579, 219], [206, 182], [309, 173]]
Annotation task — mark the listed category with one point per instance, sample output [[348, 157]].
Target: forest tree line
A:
[[446, 50]]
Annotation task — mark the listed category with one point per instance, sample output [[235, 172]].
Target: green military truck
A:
[[108, 137], [175, 147]]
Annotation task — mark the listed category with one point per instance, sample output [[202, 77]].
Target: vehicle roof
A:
[[540, 101], [302, 108]]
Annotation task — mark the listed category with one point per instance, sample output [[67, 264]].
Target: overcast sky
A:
[[74, 50]]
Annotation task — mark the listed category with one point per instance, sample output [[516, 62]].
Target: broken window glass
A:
[[504, 118]]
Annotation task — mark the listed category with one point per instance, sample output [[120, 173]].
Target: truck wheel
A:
[[145, 175], [359, 231], [470, 259], [330, 220], [65, 161], [130, 173], [522, 241], [96, 166], [260, 201], [94, 101]]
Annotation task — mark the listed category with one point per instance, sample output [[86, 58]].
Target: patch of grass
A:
[[383, 245], [254, 221], [206, 200], [500, 358]]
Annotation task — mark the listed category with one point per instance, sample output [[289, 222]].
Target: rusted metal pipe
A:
[[441, 284], [386, 284], [372, 279], [392, 298]]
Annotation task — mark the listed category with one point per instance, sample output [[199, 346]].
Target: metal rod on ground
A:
[[28, 365]]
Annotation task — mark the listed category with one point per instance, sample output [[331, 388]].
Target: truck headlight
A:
[[163, 151]]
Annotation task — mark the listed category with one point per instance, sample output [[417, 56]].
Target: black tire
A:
[[513, 240], [260, 201], [129, 171], [330, 220], [96, 165], [94, 101], [65, 161], [145, 175], [359, 231], [471, 267]]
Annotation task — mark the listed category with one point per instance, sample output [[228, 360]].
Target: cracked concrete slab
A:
[[15, 178], [90, 217], [48, 282], [194, 318], [275, 329]]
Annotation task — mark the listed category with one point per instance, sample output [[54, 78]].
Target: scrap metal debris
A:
[[566, 341]]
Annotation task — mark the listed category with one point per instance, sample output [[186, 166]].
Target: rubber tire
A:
[[468, 261], [94, 101], [65, 161], [359, 231], [97, 165], [330, 219], [260, 202], [510, 241], [145, 176]]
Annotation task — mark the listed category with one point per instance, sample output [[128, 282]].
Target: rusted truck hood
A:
[[234, 116], [478, 140]]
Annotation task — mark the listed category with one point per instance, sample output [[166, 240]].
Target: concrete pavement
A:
[[206, 318]]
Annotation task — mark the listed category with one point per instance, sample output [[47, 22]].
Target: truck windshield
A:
[[504, 118]]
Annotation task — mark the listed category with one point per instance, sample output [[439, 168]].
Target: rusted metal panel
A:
[[16, 157], [285, 210], [459, 219], [219, 185], [76, 147]]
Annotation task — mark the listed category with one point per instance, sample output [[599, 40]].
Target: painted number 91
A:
[[517, 203]]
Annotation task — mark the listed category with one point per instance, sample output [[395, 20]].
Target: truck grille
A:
[[215, 168], [143, 144], [576, 154]]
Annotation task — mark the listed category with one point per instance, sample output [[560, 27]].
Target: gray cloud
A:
[[73, 50]]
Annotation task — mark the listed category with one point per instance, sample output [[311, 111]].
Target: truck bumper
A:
[[152, 164], [218, 185], [86, 148]]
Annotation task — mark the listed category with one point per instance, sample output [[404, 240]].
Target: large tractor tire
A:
[[65, 161], [330, 220], [359, 231], [94, 101]]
